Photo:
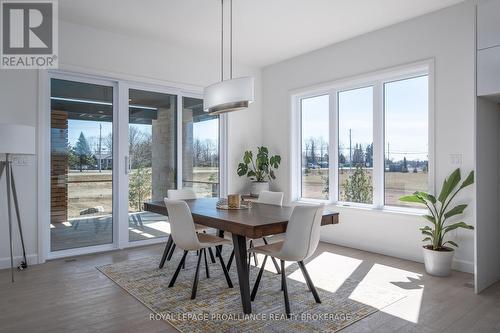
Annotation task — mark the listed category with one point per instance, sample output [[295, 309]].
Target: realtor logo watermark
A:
[[29, 34]]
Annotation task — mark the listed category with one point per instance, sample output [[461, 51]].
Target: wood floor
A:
[[72, 296]]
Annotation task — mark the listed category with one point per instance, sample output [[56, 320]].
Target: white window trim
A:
[[377, 80], [121, 83]]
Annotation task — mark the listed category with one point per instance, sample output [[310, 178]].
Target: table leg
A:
[[240, 254]]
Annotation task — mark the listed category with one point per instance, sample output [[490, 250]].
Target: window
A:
[[355, 162], [406, 140], [364, 141], [200, 149], [315, 161]]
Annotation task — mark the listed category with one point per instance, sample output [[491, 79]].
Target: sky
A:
[[406, 118]]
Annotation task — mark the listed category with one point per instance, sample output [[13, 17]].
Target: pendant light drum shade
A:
[[228, 95]]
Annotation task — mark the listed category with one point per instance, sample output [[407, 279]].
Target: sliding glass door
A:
[[81, 164], [152, 169], [115, 145]]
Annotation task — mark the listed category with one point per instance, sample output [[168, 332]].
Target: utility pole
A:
[[350, 150], [100, 145], [388, 151]]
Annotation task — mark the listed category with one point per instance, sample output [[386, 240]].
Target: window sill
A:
[[365, 207]]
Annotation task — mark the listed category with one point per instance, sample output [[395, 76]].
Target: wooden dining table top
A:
[[257, 221]]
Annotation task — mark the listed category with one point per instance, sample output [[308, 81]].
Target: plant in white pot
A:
[[437, 255], [260, 170]]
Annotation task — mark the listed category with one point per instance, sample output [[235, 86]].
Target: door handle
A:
[[127, 165]]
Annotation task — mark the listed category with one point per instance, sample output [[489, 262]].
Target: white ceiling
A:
[[265, 31]]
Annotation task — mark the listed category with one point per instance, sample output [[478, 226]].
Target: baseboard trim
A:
[[463, 266], [458, 264], [31, 258]]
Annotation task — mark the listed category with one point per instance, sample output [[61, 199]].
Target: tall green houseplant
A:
[[440, 211], [262, 168]]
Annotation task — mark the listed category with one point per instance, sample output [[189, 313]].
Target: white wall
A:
[[88, 49], [487, 167], [446, 36]]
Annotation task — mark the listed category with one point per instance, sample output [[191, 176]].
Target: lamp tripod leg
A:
[[9, 212], [24, 264]]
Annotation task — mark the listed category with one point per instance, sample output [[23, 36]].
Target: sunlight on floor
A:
[[374, 284], [160, 226], [142, 233], [392, 280], [328, 270]]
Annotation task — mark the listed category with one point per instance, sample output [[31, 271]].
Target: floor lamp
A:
[[14, 140]]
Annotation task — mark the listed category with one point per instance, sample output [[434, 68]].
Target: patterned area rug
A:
[[218, 308]]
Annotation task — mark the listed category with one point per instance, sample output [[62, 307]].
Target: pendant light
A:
[[228, 95]]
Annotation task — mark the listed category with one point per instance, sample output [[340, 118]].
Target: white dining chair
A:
[[268, 198], [301, 240], [185, 236], [181, 194]]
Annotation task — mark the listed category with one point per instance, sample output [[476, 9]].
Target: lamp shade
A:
[[17, 139], [229, 95]]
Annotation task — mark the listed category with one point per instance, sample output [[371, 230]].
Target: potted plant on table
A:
[[437, 255], [260, 170]]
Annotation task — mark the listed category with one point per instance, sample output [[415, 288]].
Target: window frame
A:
[[377, 80]]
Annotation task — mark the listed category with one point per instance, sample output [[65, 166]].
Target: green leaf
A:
[[468, 181], [455, 211], [448, 185], [242, 169], [452, 243], [247, 157], [412, 198], [430, 218], [428, 233], [426, 196], [275, 161], [263, 150], [427, 239], [271, 174], [251, 173], [458, 225]]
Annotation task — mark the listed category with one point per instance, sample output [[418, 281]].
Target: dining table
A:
[[257, 221]]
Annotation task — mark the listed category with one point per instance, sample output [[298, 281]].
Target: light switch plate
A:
[[20, 161], [456, 160]]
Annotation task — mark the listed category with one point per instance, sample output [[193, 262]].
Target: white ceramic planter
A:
[[258, 187], [438, 263]]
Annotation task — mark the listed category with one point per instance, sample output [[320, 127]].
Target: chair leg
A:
[[255, 260], [224, 269], [250, 256], [285, 290], [171, 252], [211, 255], [231, 257], [165, 252], [195, 281], [276, 266], [259, 276], [206, 263], [174, 277], [309, 281]]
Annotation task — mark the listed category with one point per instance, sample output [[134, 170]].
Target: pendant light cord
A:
[[231, 40], [222, 42]]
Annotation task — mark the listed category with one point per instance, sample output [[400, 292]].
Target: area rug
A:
[[218, 308]]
